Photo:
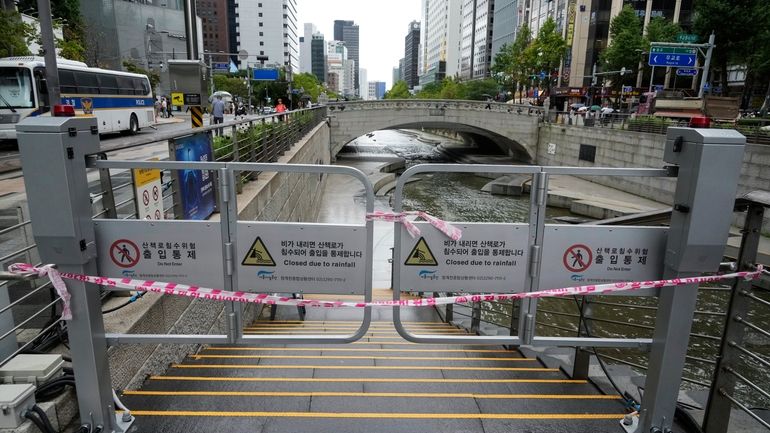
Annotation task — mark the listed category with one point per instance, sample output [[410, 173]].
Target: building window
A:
[[260, 14], [261, 33], [261, 53], [259, 5], [260, 24], [261, 44]]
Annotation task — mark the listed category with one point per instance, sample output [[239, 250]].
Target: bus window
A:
[[108, 84], [67, 82], [16, 88], [125, 85], [42, 89], [87, 83], [139, 87]]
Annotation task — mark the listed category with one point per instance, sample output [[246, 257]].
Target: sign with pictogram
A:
[[577, 258], [301, 258], [421, 255], [124, 253], [579, 255], [147, 187], [177, 99], [258, 255], [186, 252], [488, 258]]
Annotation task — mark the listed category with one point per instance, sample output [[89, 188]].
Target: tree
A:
[[513, 62], [310, 83], [400, 90], [16, 34], [547, 50], [66, 14], [626, 47], [480, 90], [452, 89]]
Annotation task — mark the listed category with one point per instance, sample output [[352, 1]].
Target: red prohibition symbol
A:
[[157, 214], [146, 197], [124, 253], [577, 258], [155, 193]]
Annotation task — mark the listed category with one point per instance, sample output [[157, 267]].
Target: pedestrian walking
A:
[[280, 108], [169, 109], [163, 104], [218, 112]]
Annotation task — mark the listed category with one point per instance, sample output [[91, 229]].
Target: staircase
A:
[[381, 383]]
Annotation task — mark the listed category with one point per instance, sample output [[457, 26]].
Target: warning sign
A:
[[488, 258], [577, 258], [302, 258], [579, 255], [258, 255], [421, 255], [177, 99], [147, 186], [187, 252], [124, 253]]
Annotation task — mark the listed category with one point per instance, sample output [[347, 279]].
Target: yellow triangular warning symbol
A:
[[258, 255], [421, 255]]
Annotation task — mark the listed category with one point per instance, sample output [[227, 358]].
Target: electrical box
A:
[[34, 369], [709, 162], [14, 401], [189, 77]]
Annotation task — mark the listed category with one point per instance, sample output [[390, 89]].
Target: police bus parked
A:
[[121, 101]]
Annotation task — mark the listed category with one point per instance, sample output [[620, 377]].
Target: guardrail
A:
[[437, 104]]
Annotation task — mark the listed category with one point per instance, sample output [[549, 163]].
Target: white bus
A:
[[121, 101]]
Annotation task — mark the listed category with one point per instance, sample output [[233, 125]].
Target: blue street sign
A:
[[686, 72], [220, 67], [706, 87], [627, 89], [672, 56], [542, 75], [264, 74], [658, 87]]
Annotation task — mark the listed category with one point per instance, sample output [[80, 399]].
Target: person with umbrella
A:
[[218, 112]]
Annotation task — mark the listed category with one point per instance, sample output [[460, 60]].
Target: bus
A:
[[121, 101]]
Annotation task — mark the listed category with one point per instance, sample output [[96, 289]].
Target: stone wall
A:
[[272, 197], [560, 145]]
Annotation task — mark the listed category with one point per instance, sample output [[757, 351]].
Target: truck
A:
[[675, 105]]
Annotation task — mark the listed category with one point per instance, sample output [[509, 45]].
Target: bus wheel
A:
[[133, 127]]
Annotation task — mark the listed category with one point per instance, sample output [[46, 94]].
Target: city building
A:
[[347, 32], [364, 77], [411, 55], [476, 38], [213, 15], [505, 24], [305, 50], [376, 90], [396, 75], [439, 39], [318, 56], [266, 28]]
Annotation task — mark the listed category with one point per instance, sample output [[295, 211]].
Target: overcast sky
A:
[[382, 28]]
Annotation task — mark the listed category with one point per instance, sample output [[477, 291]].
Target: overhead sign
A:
[[187, 252], [301, 258], [686, 38], [220, 67], [194, 188], [264, 74], [582, 255], [488, 258], [177, 99], [149, 196], [672, 56], [686, 72]]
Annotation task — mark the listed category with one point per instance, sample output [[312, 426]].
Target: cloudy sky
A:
[[382, 27]]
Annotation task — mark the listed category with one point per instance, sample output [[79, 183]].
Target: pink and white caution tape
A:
[[260, 298], [56, 281], [451, 231]]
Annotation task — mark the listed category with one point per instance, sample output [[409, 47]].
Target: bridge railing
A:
[[437, 104]]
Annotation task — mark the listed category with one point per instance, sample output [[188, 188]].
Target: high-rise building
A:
[[318, 56], [214, 29], [411, 54], [347, 32], [376, 90], [439, 39], [396, 76], [267, 28], [476, 38], [364, 77], [305, 51], [506, 21]]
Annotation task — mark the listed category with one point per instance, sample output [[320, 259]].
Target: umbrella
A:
[[595, 108], [222, 93]]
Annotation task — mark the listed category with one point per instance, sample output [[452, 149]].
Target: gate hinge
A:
[[534, 260], [224, 187], [229, 254], [542, 193]]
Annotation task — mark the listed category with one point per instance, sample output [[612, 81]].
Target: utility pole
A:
[[706, 65], [49, 48]]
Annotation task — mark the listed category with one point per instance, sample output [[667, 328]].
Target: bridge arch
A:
[[512, 128]]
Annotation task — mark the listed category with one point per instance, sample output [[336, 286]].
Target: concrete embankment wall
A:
[[272, 197], [560, 145]]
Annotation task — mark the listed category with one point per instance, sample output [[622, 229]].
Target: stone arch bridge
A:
[[513, 129]]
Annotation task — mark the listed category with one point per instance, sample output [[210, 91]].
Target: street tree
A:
[[16, 34], [626, 47], [512, 62], [547, 50], [66, 14], [400, 90], [309, 82], [480, 90]]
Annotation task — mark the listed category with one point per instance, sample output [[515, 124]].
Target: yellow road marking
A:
[[223, 414], [404, 358], [373, 394], [361, 367], [354, 379], [312, 349]]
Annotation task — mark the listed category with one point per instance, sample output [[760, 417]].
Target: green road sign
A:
[[672, 50], [686, 38]]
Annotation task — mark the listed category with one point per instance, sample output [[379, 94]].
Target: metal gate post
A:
[[528, 306], [53, 154], [717, 417], [700, 223]]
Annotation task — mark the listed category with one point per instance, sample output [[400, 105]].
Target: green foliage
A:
[[310, 83], [480, 90], [234, 85], [626, 47], [662, 30], [66, 14], [16, 35], [547, 50], [154, 77], [400, 90]]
